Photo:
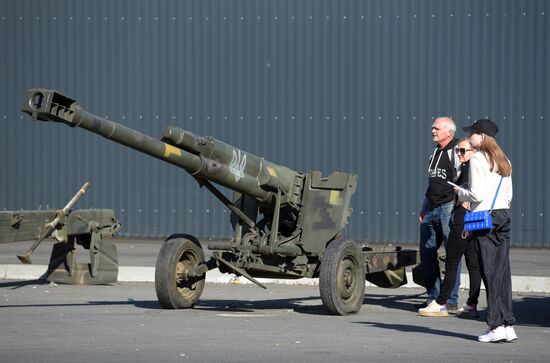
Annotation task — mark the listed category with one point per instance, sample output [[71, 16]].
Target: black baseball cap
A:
[[483, 125]]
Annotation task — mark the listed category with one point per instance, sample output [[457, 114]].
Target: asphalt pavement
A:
[[46, 322], [235, 321]]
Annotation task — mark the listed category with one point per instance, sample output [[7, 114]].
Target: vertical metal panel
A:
[[345, 85]]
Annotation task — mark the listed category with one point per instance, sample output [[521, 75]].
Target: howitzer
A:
[[287, 224], [84, 227], [50, 227]]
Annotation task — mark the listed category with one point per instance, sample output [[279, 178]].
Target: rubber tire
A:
[[170, 294], [342, 254]]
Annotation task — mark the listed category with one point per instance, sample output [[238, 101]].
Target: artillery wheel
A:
[[175, 290], [342, 278]]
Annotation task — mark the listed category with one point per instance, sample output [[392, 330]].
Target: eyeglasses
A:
[[462, 151]]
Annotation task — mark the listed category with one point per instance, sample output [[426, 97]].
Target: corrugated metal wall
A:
[[324, 85]]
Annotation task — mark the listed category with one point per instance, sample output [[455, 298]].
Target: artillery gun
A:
[[286, 224], [88, 228]]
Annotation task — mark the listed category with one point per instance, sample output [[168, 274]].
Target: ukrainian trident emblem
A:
[[237, 165]]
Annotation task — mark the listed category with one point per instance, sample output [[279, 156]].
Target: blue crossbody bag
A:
[[475, 221]]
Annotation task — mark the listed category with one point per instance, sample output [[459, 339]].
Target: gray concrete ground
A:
[[243, 323]]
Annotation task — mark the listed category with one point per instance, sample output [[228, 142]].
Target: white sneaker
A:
[[493, 335], [510, 333], [433, 309]]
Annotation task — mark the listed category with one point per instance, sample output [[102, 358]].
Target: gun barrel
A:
[[203, 157], [49, 105], [227, 162]]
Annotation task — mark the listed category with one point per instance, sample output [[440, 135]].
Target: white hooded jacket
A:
[[483, 184]]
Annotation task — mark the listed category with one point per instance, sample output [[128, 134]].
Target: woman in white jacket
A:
[[490, 170]]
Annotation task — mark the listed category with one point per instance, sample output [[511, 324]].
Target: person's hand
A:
[[465, 205], [421, 217]]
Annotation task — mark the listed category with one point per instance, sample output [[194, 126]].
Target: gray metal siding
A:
[[326, 85]]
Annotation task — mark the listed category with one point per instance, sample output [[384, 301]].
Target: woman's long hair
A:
[[498, 161]]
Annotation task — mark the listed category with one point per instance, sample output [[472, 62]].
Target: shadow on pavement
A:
[[295, 304], [244, 306], [418, 329], [144, 304], [532, 311], [397, 302], [18, 284], [529, 310]]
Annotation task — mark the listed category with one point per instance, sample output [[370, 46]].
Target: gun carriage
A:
[[287, 224]]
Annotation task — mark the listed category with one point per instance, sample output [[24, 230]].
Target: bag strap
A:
[[495, 198]]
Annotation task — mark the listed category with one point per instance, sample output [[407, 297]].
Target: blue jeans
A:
[[434, 231]]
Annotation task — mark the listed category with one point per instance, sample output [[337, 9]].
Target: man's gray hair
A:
[[453, 127], [451, 124]]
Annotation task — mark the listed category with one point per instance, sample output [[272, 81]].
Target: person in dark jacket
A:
[[459, 244], [437, 206]]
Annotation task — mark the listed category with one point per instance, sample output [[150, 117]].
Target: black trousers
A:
[[457, 246], [494, 251]]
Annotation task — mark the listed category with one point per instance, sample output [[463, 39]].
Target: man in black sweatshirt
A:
[[437, 206]]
